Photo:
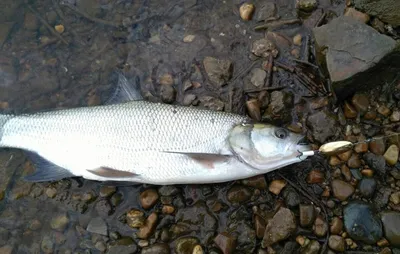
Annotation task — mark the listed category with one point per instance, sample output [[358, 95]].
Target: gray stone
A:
[[386, 10], [355, 55], [323, 125], [219, 71], [267, 10], [98, 226], [391, 226]]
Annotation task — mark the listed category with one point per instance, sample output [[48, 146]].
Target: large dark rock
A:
[[391, 226], [355, 55], [386, 10], [323, 125]]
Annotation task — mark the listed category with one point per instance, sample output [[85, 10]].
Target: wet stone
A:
[[336, 226], [352, 12], [257, 182], [149, 226], [395, 117], [116, 199], [349, 110], [259, 225], [382, 197], [276, 186], [336, 243], [320, 227], [219, 71], [377, 146], [125, 245], [185, 245], [342, 190], [225, 242], [315, 176], [361, 223], [391, 227], [367, 187], [307, 215], [354, 161], [47, 244], [157, 248], [167, 94], [323, 125], [279, 228], [107, 191], [392, 155], [97, 226], [168, 190], [306, 5], [346, 155], [292, 198], [346, 172], [312, 248], [59, 222], [267, 10], [51, 192], [238, 194], [148, 198], [280, 106], [103, 208], [258, 77], [188, 99], [101, 246]]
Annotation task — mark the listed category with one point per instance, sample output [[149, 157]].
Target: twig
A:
[[267, 83], [306, 56], [278, 23], [257, 90], [306, 63], [47, 25], [244, 72], [320, 20], [284, 66]]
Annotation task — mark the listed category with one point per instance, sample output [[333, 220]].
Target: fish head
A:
[[267, 147]]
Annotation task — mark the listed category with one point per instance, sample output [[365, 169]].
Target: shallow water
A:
[[41, 69]]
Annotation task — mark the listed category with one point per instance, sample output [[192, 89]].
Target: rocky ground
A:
[[327, 69]]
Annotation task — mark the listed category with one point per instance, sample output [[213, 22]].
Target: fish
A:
[[138, 141]]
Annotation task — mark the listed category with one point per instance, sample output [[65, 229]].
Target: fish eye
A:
[[281, 133]]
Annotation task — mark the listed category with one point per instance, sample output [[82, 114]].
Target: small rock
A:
[[315, 176], [361, 147], [189, 38], [225, 242], [395, 117], [198, 250], [168, 190], [219, 71], [367, 187], [322, 125], [395, 198], [166, 79], [280, 227], [59, 28], [295, 52], [280, 106], [51, 192], [276, 186], [383, 110], [354, 161], [157, 248], [342, 190], [360, 102], [346, 172], [375, 162], [103, 208], [349, 111], [167, 209], [212, 103], [346, 155], [334, 161], [297, 39], [306, 5], [47, 244], [259, 226], [382, 196], [35, 225], [148, 198], [135, 218], [307, 215], [382, 243], [167, 94], [31, 22], [266, 11], [336, 243], [6, 249], [246, 11], [320, 227], [97, 226], [292, 198], [107, 191], [59, 222], [263, 48], [360, 222], [336, 226], [238, 194], [116, 199], [125, 245], [312, 248], [392, 155], [253, 108], [185, 245], [258, 182], [258, 77], [391, 227], [148, 228], [352, 12], [370, 115], [188, 99]]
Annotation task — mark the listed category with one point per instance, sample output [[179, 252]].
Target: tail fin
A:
[[3, 121]]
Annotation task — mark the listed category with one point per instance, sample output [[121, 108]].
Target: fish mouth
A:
[[303, 141]]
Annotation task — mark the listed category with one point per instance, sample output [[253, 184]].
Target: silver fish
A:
[[146, 142]]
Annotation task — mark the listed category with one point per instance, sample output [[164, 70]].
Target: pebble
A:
[[219, 71], [148, 198], [167, 94], [360, 102], [315, 176], [107, 191], [59, 28], [167, 209], [382, 243], [168, 190], [395, 116], [125, 245], [395, 197], [253, 108], [51, 192], [189, 99], [375, 162], [267, 10], [276, 186], [258, 76], [383, 110], [59, 222], [360, 16], [345, 156], [361, 223], [346, 172], [320, 227], [225, 242], [257, 182], [47, 244], [189, 38], [116, 199], [148, 228], [98, 226], [349, 111], [367, 187], [354, 161], [6, 249], [342, 190], [307, 215], [259, 225], [238, 194], [157, 248], [103, 208], [361, 147], [336, 243], [334, 161], [292, 198], [262, 47], [370, 115], [101, 246], [185, 245], [295, 52], [297, 39], [197, 250], [35, 225], [280, 227], [391, 155], [135, 218], [306, 5], [312, 248], [246, 11], [391, 226], [336, 226]]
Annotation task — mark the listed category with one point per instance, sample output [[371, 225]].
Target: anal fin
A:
[[111, 173], [45, 170]]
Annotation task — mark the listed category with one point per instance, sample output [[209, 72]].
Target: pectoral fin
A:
[[125, 91], [111, 173], [208, 160]]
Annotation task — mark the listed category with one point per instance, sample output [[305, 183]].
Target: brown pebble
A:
[[336, 226], [367, 172], [253, 108], [360, 16], [167, 209], [342, 190], [392, 155], [370, 115], [320, 227], [386, 250], [315, 176], [259, 225], [301, 240], [3, 105], [361, 148], [360, 102], [307, 215], [148, 228], [297, 39], [327, 192], [336, 243], [167, 79], [59, 28], [135, 218], [395, 116], [354, 161], [334, 161], [377, 146], [276, 186], [349, 110], [346, 172], [258, 182], [295, 52], [225, 242], [383, 110], [383, 242], [246, 11], [148, 198], [345, 156]]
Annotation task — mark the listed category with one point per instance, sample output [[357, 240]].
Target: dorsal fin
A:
[[125, 91]]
